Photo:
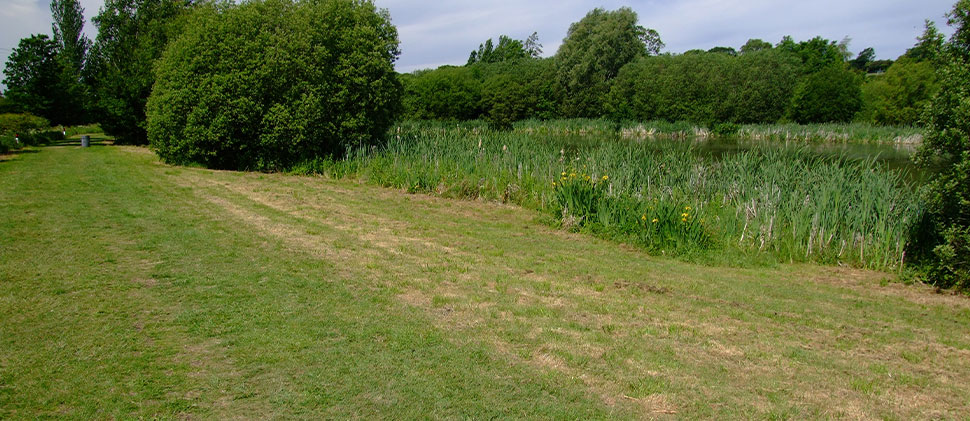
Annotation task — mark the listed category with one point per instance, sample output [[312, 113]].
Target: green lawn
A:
[[132, 289]]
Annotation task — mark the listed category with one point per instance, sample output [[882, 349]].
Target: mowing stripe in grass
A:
[[127, 295]]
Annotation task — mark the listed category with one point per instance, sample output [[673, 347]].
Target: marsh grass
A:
[[782, 132], [833, 133], [788, 204]]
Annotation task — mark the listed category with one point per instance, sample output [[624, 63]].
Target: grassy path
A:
[[132, 289]]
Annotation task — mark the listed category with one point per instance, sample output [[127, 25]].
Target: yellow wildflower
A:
[[686, 208], [606, 177], [572, 174], [644, 217], [683, 215], [563, 173], [655, 220], [683, 220]]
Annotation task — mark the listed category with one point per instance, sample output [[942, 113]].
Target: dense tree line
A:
[[609, 66]]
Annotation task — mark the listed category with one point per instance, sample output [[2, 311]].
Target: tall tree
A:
[[72, 49], [31, 75], [132, 34], [532, 45], [68, 25], [928, 44], [594, 51]]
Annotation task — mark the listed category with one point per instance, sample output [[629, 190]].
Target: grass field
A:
[[132, 289]]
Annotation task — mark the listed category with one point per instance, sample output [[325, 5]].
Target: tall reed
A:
[[785, 203]]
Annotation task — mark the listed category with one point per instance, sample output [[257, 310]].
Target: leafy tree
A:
[[132, 34], [532, 45], [878, 66], [899, 96], [764, 88], [946, 147], [72, 49], [833, 94], [594, 51], [928, 44], [446, 93], [705, 88], [816, 54], [508, 49], [519, 90], [755, 45], [862, 61], [268, 84], [8, 107], [31, 75]]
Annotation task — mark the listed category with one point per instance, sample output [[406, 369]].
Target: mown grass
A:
[[127, 294], [776, 204], [131, 289]]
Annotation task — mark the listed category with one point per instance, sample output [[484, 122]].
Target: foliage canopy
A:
[[132, 34], [946, 146], [268, 84], [31, 75], [594, 51]]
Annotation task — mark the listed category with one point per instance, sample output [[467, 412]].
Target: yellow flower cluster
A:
[[564, 176]]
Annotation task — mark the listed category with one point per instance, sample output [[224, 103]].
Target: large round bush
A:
[[833, 94], [267, 84]]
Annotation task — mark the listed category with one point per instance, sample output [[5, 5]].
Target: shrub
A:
[[898, 96], [21, 123], [268, 84], [518, 90], [28, 128], [946, 147], [833, 94], [446, 93], [726, 129]]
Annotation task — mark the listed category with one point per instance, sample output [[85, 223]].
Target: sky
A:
[[435, 33]]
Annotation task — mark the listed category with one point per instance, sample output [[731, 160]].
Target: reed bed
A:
[[833, 133], [785, 204], [789, 133]]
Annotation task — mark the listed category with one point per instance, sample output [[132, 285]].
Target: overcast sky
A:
[[436, 33]]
